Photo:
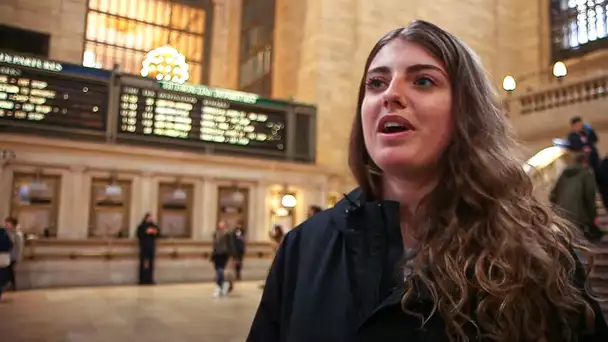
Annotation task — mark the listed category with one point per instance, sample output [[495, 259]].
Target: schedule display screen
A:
[[51, 98], [175, 115]]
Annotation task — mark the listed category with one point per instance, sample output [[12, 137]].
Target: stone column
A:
[[6, 192], [323, 195], [208, 210], [67, 201], [198, 218], [219, 45], [142, 200], [258, 231], [76, 224]]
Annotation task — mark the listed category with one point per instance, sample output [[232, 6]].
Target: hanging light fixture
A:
[[165, 64]]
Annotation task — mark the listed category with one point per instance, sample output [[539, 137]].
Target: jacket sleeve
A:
[[232, 249], [575, 142], [159, 233], [267, 323], [6, 244], [593, 139], [141, 231]]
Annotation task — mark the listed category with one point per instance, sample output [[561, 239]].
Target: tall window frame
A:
[[256, 46], [123, 31], [35, 202], [577, 27]]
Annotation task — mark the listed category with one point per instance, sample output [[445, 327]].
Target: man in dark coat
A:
[[582, 138], [574, 194], [147, 233], [347, 256]]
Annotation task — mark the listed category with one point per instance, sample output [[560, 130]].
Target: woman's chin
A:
[[391, 162]]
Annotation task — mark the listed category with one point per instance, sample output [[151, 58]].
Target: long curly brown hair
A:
[[497, 261]]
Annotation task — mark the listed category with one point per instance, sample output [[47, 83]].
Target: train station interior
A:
[[202, 113]]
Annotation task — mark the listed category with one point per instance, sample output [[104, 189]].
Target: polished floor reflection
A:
[[168, 313]]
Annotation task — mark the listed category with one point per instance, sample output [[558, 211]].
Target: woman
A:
[[276, 235], [16, 235], [443, 241], [223, 249], [147, 233]]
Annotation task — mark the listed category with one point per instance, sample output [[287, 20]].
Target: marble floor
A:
[[167, 313]]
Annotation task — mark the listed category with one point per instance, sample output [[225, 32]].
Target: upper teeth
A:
[[392, 124]]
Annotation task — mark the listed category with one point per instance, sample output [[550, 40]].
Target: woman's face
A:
[[407, 108]]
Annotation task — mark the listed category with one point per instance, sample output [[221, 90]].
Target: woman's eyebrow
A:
[[410, 69]]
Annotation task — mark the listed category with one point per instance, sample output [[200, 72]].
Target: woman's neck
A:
[[409, 193]]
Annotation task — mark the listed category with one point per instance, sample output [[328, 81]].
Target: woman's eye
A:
[[424, 82], [374, 83]]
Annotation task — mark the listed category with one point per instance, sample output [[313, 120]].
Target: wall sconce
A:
[[560, 70], [113, 189], [179, 193], [289, 201], [281, 212], [509, 84]]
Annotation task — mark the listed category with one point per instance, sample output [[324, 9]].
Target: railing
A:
[[560, 95], [546, 112], [121, 249]]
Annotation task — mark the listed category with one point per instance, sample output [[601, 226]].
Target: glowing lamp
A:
[[165, 64], [288, 201], [509, 84], [560, 70]]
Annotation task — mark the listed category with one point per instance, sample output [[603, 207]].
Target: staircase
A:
[[599, 273]]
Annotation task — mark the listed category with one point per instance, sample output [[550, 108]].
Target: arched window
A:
[[257, 30], [123, 31], [578, 27]]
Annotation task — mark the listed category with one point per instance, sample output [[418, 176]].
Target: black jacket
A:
[[6, 244], [147, 242], [586, 138], [575, 194], [333, 280]]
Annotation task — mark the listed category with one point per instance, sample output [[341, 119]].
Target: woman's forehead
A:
[[402, 54]]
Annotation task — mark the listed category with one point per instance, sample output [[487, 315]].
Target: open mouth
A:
[[394, 127], [394, 124]]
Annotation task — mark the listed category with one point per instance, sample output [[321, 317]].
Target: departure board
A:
[[160, 113], [51, 98]]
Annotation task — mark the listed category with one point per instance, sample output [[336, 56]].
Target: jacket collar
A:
[[373, 245]]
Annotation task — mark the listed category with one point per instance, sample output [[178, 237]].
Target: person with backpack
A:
[[574, 195]]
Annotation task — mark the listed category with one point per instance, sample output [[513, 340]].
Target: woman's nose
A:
[[394, 97]]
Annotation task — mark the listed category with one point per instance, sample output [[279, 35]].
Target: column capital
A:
[[147, 174], [79, 168]]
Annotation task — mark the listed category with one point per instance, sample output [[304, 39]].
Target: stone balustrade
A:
[[61, 263], [545, 113]]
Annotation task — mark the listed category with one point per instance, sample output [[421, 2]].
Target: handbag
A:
[[5, 260]]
